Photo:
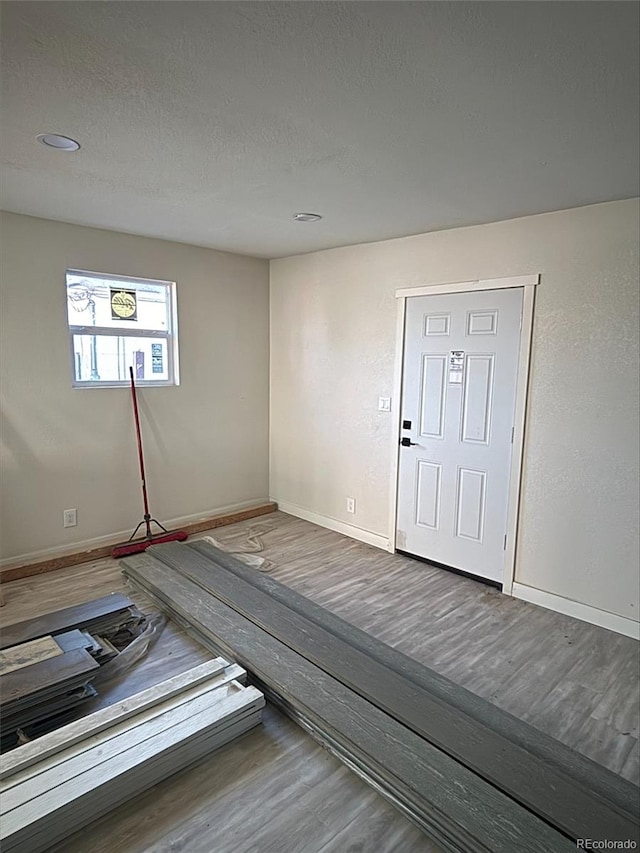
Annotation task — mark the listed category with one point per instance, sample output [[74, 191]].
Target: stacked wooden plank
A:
[[104, 617], [47, 664], [45, 689], [469, 784], [100, 648], [492, 718], [56, 785]]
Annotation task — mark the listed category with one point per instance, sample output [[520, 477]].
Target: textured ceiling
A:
[[213, 122]]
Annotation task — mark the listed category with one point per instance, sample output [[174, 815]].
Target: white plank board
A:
[[135, 729], [121, 787], [91, 725]]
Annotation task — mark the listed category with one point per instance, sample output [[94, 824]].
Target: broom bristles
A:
[[137, 546]]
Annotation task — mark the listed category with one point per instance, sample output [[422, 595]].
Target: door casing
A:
[[529, 284]]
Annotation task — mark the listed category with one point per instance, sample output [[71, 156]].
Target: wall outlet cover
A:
[[384, 404]]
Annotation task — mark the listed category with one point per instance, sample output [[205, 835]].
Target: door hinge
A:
[[513, 430], [505, 542]]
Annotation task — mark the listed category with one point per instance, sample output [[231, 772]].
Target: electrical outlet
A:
[[70, 517], [351, 504], [384, 404]]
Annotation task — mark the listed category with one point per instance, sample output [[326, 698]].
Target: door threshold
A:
[[486, 581]]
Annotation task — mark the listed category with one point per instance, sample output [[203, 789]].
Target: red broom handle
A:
[[140, 456]]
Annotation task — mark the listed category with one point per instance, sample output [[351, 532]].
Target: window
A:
[[116, 323]]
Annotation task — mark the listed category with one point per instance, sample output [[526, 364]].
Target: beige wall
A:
[[206, 441], [333, 319], [332, 352]]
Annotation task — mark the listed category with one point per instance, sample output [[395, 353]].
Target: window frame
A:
[[170, 335]]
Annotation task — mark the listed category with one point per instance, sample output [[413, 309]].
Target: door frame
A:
[[528, 283]]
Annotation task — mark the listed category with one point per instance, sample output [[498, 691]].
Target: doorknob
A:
[[406, 442]]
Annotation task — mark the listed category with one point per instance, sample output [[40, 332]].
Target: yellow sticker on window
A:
[[124, 305]]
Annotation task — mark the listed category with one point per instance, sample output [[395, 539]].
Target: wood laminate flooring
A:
[[275, 789]]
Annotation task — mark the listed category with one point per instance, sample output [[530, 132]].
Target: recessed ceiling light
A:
[[60, 143], [306, 217]]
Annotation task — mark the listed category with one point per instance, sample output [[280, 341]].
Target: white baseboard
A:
[[602, 618], [350, 530], [121, 536]]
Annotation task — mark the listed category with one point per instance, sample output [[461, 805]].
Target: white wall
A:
[[206, 441], [332, 352]]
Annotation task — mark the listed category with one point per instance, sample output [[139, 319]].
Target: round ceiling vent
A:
[[306, 217], [60, 143]]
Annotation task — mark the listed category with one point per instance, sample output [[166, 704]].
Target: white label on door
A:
[[456, 367]]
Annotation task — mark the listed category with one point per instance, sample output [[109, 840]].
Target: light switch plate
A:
[[384, 404]]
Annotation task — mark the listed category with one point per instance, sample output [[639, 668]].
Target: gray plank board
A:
[[64, 620], [41, 679], [75, 639], [42, 699], [555, 796], [26, 654], [393, 789], [472, 814], [45, 711], [567, 761]]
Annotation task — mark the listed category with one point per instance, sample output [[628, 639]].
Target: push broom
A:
[[133, 545]]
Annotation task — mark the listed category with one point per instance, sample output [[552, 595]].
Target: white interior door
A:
[[458, 401]]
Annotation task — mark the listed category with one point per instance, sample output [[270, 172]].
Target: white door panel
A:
[[458, 401]]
